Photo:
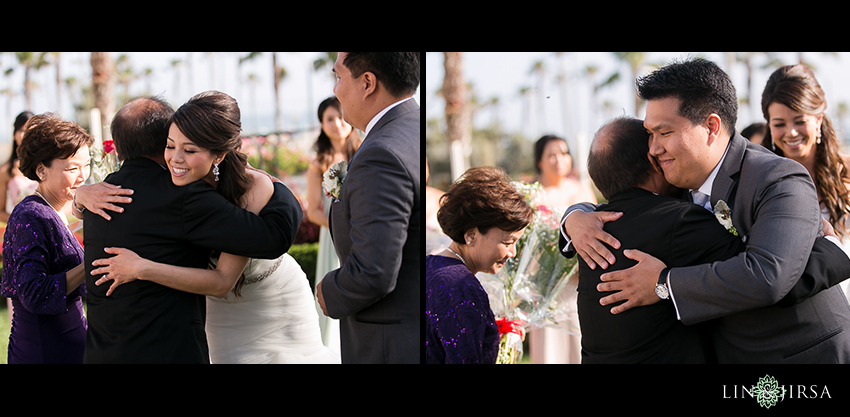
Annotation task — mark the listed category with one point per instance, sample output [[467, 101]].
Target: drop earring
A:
[[215, 171], [818, 135]]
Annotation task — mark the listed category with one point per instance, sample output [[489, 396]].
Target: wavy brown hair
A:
[[46, 138], [795, 86], [483, 198]]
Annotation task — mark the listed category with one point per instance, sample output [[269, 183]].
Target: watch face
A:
[[661, 290]]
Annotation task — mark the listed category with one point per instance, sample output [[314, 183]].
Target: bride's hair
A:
[[211, 120]]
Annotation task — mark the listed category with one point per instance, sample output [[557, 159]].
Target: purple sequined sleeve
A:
[[460, 326], [37, 251]]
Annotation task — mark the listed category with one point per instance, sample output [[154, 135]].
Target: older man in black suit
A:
[[679, 232], [144, 322]]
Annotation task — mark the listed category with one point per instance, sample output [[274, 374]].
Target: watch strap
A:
[[662, 277]]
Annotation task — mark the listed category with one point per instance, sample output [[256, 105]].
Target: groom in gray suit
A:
[[375, 221], [690, 115]]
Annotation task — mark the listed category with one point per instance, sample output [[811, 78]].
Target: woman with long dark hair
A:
[[270, 317], [337, 142], [794, 106]]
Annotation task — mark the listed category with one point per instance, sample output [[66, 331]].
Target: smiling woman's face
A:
[[187, 161], [490, 251], [794, 133]]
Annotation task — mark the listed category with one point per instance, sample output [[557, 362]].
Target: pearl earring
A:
[[215, 171]]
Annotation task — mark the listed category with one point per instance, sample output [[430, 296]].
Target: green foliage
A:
[[306, 255]]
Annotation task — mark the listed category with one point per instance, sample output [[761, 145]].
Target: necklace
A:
[[58, 213], [456, 254], [45, 200]]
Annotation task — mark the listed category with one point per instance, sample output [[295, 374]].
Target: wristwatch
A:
[[661, 287]]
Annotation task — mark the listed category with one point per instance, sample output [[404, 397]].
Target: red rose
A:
[[108, 146]]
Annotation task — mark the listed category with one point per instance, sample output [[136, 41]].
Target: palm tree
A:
[[750, 97], [636, 63], [55, 57], [176, 64], [211, 65], [253, 80], [103, 86], [278, 74], [125, 75], [458, 126], [31, 61], [326, 61], [525, 114], [539, 70]]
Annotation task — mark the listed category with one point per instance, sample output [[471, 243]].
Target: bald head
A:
[[140, 128], [618, 159]]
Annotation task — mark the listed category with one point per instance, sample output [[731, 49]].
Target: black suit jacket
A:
[[679, 234], [826, 266], [144, 322]]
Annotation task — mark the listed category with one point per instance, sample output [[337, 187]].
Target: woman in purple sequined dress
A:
[[42, 260], [484, 215]]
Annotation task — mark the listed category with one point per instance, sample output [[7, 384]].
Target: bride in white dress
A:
[[258, 310], [274, 320]]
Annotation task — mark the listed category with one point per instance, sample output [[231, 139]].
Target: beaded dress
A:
[[48, 326], [460, 327], [274, 321]]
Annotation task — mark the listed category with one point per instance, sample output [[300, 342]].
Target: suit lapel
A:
[[726, 181], [397, 111]]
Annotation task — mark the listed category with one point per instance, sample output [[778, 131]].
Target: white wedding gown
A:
[[274, 321]]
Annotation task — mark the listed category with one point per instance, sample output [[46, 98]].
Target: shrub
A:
[[306, 254]]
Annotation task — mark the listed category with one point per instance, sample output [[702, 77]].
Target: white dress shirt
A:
[[381, 114]]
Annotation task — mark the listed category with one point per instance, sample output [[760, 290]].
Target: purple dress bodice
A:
[[48, 325], [460, 326]]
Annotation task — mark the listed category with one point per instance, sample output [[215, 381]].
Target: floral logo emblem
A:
[[768, 391], [724, 216]]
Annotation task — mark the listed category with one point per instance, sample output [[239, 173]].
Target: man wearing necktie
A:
[[690, 115], [701, 199]]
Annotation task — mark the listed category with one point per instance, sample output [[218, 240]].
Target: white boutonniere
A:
[[332, 179], [724, 216]]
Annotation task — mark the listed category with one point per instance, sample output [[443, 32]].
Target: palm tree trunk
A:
[[103, 85], [458, 126]]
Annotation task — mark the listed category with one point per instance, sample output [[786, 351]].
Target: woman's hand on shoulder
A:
[[102, 196]]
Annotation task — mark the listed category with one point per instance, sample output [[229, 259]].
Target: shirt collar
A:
[[705, 188], [381, 114]]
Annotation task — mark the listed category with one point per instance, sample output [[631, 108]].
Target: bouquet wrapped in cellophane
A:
[[528, 291], [104, 161]]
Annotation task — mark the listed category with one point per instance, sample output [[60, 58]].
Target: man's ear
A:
[[714, 126], [370, 83]]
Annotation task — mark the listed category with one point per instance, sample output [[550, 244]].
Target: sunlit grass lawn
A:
[[5, 326]]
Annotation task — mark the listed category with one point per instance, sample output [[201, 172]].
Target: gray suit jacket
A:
[[375, 225], [775, 210]]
